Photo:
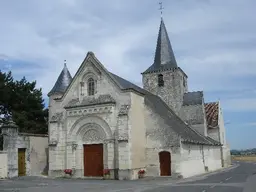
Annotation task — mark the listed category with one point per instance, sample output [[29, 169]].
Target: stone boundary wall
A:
[[36, 151], [3, 164]]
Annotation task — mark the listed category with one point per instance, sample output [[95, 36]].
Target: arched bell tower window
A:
[[160, 80], [91, 86]]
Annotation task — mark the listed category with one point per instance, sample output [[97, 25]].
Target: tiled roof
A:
[[193, 98], [164, 56], [212, 114], [159, 106]]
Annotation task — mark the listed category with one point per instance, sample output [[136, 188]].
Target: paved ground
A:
[[241, 178]]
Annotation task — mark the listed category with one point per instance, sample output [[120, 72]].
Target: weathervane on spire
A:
[[65, 63], [161, 8]]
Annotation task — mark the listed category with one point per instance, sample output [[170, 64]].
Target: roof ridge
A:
[[194, 92], [212, 102]]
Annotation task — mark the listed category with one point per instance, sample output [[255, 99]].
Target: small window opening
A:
[[160, 80], [91, 86]]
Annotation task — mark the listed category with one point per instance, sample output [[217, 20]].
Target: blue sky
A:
[[213, 40]]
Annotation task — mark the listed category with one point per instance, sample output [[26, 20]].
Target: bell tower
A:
[[164, 78]]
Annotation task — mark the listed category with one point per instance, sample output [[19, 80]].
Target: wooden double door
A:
[[93, 160], [165, 163]]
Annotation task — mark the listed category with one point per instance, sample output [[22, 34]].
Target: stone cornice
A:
[[82, 110], [90, 101]]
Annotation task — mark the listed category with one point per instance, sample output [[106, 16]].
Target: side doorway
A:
[[165, 163], [21, 162]]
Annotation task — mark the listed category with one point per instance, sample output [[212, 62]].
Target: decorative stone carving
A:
[[57, 117], [73, 102], [88, 101], [124, 110], [82, 125], [92, 135], [91, 110], [74, 146]]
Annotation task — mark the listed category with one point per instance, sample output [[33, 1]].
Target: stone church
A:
[[98, 120]]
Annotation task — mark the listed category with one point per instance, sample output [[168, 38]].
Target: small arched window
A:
[[184, 82], [91, 86], [160, 80]]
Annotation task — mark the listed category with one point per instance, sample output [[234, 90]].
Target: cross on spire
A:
[[161, 8], [65, 63]]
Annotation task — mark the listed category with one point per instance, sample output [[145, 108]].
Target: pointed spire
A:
[[62, 82], [164, 56]]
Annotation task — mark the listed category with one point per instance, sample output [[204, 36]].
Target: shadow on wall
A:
[[1, 142], [45, 170]]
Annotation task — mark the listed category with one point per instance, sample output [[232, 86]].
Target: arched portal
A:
[[91, 134], [165, 163]]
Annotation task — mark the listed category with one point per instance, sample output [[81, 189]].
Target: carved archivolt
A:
[[92, 123], [91, 132], [93, 135]]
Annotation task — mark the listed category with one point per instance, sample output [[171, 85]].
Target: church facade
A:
[[98, 120]]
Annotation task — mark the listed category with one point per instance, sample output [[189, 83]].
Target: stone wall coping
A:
[[33, 134]]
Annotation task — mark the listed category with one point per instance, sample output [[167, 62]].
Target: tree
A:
[[24, 102], [6, 89]]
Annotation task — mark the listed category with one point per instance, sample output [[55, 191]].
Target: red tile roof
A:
[[212, 114]]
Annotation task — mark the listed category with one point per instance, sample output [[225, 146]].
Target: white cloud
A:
[[212, 40]]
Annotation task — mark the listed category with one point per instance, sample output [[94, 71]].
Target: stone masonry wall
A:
[[35, 157], [194, 115], [175, 85], [160, 137], [138, 131], [3, 165], [198, 159], [11, 145]]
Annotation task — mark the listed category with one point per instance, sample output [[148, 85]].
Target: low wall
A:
[[212, 155], [3, 165], [192, 162], [36, 153], [198, 159]]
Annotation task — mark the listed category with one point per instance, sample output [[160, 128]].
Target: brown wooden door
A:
[[93, 160], [165, 163], [21, 162]]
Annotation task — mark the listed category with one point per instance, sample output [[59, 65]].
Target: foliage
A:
[[23, 101], [243, 152], [68, 171], [106, 171]]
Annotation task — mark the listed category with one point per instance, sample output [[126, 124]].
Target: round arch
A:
[[90, 125]]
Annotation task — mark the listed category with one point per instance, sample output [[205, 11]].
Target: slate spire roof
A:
[[164, 56], [62, 82]]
